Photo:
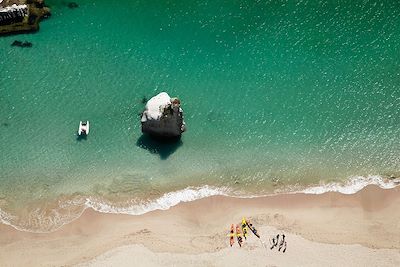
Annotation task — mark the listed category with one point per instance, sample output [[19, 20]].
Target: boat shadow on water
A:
[[163, 147], [81, 137]]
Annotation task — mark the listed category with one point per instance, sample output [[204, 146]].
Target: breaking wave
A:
[[165, 202], [353, 185], [66, 211]]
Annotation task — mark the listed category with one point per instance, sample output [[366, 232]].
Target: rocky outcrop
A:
[[21, 15], [163, 117], [13, 14]]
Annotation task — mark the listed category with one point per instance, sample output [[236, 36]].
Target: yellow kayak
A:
[[244, 228]]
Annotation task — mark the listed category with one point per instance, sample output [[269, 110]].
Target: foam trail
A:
[[353, 185], [56, 221], [5, 218], [165, 202]]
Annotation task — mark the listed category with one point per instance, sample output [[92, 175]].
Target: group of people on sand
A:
[[279, 245]]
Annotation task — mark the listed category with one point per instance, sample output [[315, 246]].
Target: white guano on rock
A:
[[163, 117]]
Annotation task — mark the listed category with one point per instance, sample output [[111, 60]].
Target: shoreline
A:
[[50, 215], [368, 218]]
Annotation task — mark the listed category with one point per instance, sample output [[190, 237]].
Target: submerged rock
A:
[[21, 44], [72, 5], [163, 117]]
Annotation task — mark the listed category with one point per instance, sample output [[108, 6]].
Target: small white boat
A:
[[83, 128]]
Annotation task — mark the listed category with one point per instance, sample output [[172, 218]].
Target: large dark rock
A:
[[163, 117]]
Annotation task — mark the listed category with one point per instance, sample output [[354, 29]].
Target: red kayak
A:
[[232, 235], [239, 235]]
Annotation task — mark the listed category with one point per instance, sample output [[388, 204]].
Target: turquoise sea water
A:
[[276, 94]]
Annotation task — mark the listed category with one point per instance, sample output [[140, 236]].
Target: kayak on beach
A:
[[252, 228], [245, 230], [239, 236], [232, 235]]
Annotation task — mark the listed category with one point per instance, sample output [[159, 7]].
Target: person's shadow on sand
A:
[[164, 148]]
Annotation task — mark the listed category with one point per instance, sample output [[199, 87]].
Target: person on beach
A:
[[282, 243], [284, 250], [275, 241]]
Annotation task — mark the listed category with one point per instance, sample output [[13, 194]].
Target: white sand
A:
[[300, 252]]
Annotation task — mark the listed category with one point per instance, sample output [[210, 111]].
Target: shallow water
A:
[[276, 95]]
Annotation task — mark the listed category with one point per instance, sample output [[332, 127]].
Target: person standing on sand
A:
[[275, 241], [284, 250], [282, 243]]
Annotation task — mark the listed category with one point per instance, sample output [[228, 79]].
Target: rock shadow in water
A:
[[164, 148]]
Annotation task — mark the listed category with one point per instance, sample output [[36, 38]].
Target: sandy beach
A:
[[330, 229]]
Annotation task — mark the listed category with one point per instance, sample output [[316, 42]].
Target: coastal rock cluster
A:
[[21, 15], [163, 117], [13, 14]]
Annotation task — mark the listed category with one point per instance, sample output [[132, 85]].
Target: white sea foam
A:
[[353, 185], [165, 202], [40, 221], [5, 218]]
